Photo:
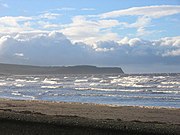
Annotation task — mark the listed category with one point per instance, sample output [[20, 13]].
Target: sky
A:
[[139, 36]]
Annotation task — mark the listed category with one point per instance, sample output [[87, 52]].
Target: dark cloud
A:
[[55, 49]]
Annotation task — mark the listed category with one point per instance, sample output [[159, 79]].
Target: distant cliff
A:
[[37, 70]]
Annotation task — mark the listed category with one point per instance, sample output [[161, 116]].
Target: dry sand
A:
[[124, 119]]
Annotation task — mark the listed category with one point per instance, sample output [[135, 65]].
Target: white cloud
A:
[[48, 25], [140, 24], [64, 9], [14, 24], [146, 14], [149, 11], [88, 9], [88, 31], [173, 53], [49, 16], [4, 5]]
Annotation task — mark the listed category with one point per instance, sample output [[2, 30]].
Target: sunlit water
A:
[[127, 89]]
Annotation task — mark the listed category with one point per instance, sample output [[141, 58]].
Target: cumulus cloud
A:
[[40, 48], [53, 48]]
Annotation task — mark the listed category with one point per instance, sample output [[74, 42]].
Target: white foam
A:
[[19, 85], [93, 84], [50, 87], [16, 93], [162, 91], [36, 78], [162, 86], [158, 77], [48, 81], [31, 97], [171, 83], [113, 77], [83, 88], [81, 80], [2, 84], [104, 81], [20, 80], [9, 79], [54, 79], [31, 81], [96, 79]]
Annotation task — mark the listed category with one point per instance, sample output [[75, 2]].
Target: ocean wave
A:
[[31, 81], [135, 85], [159, 77], [2, 83], [113, 77], [80, 80], [54, 79], [93, 84], [19, 85], [165, 92], [104, 81], [171, 82], [95, 79], [20, 80], [164, 86], [96, 89], [16, 93], [48, 81], [10, 79], [29, 97]]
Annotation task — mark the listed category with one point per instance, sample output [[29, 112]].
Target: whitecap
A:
[[9, 79], [54, 79], [36, 78], [2, 84], [19, 85], [16, 93], [50, 87], [31, 81], [31, 97], [162, 86], [104, 81], [81, 80], [20, 80], [48, 81], [175, 82], [113, 77], [96, 79], [93, 84]]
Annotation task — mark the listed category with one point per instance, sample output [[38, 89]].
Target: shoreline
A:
[[125, 119], [91, 103]]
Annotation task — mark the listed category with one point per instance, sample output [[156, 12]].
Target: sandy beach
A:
[[85, 118]]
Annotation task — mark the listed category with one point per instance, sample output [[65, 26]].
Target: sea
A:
[[149, 90]]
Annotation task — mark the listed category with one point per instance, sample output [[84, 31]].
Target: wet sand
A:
[[43, 117]]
